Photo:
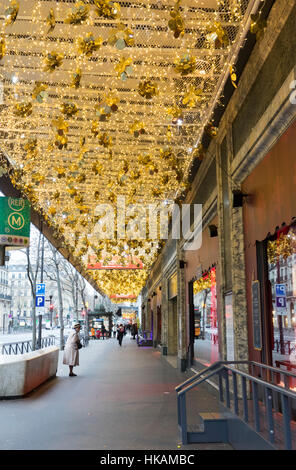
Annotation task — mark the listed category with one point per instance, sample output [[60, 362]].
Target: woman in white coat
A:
[[71, 353]]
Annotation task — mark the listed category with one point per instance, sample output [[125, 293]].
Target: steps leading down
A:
[[213, 428]]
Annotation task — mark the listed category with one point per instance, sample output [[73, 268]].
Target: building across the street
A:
[[5, 299], [22, 299]]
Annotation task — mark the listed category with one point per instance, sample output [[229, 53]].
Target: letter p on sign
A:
[[40, 301]]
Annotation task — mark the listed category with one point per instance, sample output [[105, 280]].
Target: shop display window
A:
[[205, 318], [281, 255]]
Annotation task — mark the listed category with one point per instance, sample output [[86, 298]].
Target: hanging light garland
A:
[[96, 96]]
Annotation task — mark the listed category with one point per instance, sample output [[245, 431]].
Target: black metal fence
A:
[[21, 347]]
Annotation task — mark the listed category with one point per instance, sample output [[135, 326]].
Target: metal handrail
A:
[[196, 376], [216, 364], [223, 369], [20, 347], [276, 388], [272, 368], [203, 371]]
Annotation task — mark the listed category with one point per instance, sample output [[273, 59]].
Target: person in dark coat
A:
[[134, 330], [120, 334], [103, 331]]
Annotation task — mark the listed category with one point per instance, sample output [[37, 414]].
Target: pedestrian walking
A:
[[103, 330], [114, 329], [120, 334], [134, 330], [93, 333], [71, 351]]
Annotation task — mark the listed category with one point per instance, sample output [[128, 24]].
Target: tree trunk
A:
[[61, 307], [33, 280], [60, 295], [34, 336]]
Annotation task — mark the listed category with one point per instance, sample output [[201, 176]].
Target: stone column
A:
[[239, 299], [231, 261], [164, 316], [222, 261]]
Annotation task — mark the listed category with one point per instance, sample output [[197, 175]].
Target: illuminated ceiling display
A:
[[100, 99]]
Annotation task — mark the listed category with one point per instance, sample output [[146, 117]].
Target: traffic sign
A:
[[40, 301], [281, 299], [281, 302], [40, 289], [40, 311], [280, 290]]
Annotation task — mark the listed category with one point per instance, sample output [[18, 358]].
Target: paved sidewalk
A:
[[122, 399]]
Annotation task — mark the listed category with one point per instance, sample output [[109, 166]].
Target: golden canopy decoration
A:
[[70, 148]]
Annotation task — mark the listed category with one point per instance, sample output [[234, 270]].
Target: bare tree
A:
[[33, 267], [76, 287], [54, 266], [79, 293], [82, 291]]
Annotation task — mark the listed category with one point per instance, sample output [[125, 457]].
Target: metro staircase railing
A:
[[263, 394], [21, 347]]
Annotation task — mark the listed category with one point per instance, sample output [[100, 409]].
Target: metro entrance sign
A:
[[15, 221]]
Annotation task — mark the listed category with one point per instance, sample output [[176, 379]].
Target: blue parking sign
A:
[[280, 290], [40, 301], [281, 302], [40, 289], [281, 299]]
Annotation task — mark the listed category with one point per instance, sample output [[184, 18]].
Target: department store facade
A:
[[220, 302]]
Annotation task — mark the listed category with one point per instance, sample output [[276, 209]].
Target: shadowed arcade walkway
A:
[[122, 399]]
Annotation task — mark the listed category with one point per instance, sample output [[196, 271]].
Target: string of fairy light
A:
[[104, 98]]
